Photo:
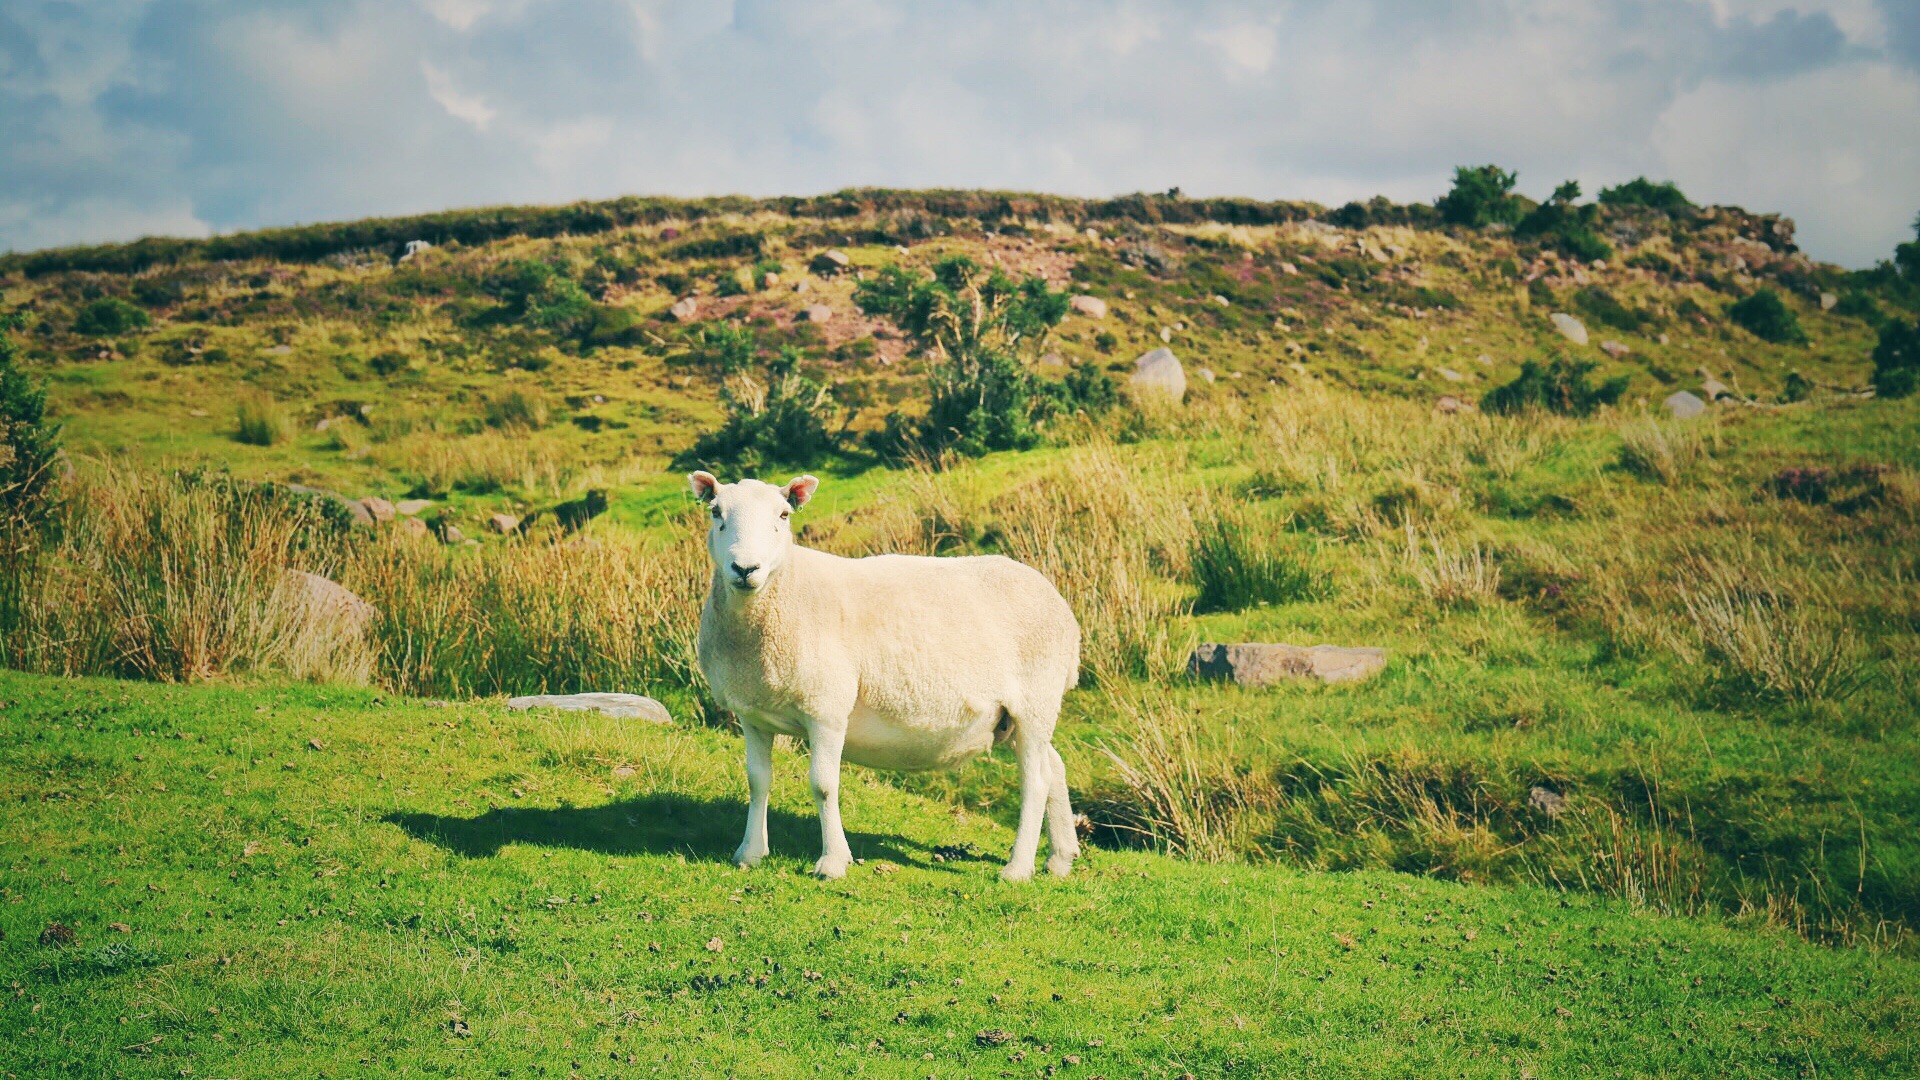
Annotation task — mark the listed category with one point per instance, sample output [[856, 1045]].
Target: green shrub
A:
[[1603, 307], [1559, 224], [1086, 388], [1241, 562], [1906, 257], [108, 316], [727, 350], [1641, 191], [1896, 359], [29, 445], [260, 421], [1764, 315], [1559, 387], [1481, 196], [784, 419], [542, 295]]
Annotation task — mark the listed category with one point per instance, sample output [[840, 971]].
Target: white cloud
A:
[[458, 14], [467, 107], [1248, 46]]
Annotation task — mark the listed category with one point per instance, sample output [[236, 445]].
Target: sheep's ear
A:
[[800, 489], [703, 485]]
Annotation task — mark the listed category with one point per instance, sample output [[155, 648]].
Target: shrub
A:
[[540, 294], [1481, 196], [1562, 225], [1241, 562], [261, 421], [1559, 387], [108, 316], [981, 323], [1603, 307], [1087, 389], [783, 420], [29, 444], [1896, 359], [1641, 191], [728, 350], [1906, 257], [1764, 315]]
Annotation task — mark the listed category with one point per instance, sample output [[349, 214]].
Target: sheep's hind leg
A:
[[1036, 781], [824, 773], [1060, 833], [753, 847]]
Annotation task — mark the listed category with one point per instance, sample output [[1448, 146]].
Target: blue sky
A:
[[120, 118]]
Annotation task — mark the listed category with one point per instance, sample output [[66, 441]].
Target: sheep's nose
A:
[[743, 572]]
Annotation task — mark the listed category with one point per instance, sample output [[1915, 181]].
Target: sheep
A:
[[896, 662]]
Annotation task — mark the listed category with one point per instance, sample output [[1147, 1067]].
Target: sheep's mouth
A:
[[744, 585]]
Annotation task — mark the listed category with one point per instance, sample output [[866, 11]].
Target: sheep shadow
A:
[[705, 830]]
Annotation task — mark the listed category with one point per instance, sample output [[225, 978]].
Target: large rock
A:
[[1827, 301], [502, 523], [1091, 306], [1260, 664], [326, 602], [618, 706], [1569, 327], [1159, 372], [829, 263], [684, 309], [1684, 406], [1614, 349], [816, 313], [411, 507], [381, 509]]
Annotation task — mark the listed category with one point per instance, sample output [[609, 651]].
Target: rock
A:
[[802, 285], [1684, 406], [829, 263], [1053, 359], [669, 234], [502, 523], [1662, 339], [1166, 333], [1091, 306], [1714, 389], [381, 509], [1484, 360], [768, 281], [1204, 373], [1599, 264], [1451, 375], [1547, 801], [411, 507], [320, 426], [415, 247], [1614, 349], [1159, 372], [1569, 327], [1258, 664], [321, 600], [1449, 405], [816, 313], [1289, 269], [1221, 300], [684, 309], [413, 526], [618, 706], [352, 506], [451, 534], [1827, 301]]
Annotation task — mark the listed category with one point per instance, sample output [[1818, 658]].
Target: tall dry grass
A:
[[1177, 794]]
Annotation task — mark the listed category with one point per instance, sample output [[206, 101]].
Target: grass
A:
[[474, 892]]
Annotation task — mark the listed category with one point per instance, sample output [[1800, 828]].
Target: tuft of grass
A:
[[518, 407], [259, 420], [1175, 796], [1661, 450], [1239, 561], [1766, 641], [1451, 574]]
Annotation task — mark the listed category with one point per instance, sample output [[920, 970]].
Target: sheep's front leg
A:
[[825, 777], [759, 779]]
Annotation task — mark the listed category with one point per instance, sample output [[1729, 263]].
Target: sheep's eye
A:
[[785, 514], [716, 513]]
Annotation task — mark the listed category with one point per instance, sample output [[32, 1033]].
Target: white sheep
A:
[[893, 662]]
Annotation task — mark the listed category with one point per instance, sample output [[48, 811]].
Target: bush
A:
[[1559, 387], [1566, 227], [1641, 191], [108, 316], [1087, 389], [784, 420], [1481, 196], [1603, 307], [1239, 562], [728, 350], [1896, 359], [260, 421], [29, 445], [1764, 315], [541, 295]]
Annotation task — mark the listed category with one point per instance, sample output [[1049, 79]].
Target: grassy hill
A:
[[1635, 792]]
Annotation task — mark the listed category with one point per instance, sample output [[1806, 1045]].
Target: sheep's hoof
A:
[[1060, 865], [831, 866], [745, 857], [1017, 873]]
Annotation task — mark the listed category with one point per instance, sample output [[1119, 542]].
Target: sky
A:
[[124, 118]]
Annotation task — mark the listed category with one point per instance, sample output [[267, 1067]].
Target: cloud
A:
[[185, 115]]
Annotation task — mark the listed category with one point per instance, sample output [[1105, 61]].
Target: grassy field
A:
[[309, 881]]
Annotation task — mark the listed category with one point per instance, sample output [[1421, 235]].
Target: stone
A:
[[381, 509], [802, 285], [1093, 233], [1714, 389], [327, 602], [1091, 306], [1451, 375], [816, 313], [669, 234], [1827, 301], [1256, 664], [768, 281], [828, 263], [1166, 334], [352, 506], [1547, 801], [1289, 269], [1053, 359], [413, 526], [1663, 339], [451, 534], [1484, 360], [1569, 327], [320, 426], [1599, 264], [1159, 372], [411, 507], [502, 523], [618, 706], [1221, 300], [1684, 406], [684, 309], [1449, 405], [1614, 349], [1205, 373]]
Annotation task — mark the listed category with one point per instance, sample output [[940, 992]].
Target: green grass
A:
[[466, 891]]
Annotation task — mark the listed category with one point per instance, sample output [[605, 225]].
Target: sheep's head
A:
[[751, 528]]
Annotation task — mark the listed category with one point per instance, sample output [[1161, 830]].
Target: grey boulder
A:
[[618, 706], [1684, 406], [1159, 372]]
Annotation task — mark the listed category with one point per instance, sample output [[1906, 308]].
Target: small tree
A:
[[109, 316], [781, 420], [982, 326], [1896, 359], [1907, 256], [1559, 387], [540, 294], [1641, 191], [1764, 315], [1482, 195], [29, 445], [1565, 226]]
